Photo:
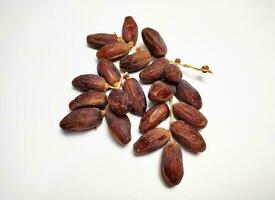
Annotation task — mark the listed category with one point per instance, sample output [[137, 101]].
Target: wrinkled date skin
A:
[[81, 119], [130, 30], [188, 94], [153, 117], [171, 164], [172, 73], [114, 51], [132, 87], [160, 92], [151, 141], [88, 82], [187, 136], [98, 40], [119, 102], [154, 71], [120, 126], [135, 62], [108, 70], [89, 99], [154, 42], [190, 115]]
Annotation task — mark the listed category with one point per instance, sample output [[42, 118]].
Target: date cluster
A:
[[127, 96]]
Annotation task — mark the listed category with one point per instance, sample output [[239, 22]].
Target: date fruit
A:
[[135, 62], [119, 102], [98, 40], [172, 73], [154, 42], [81, 119], [153, 117], [132, 87], [160, 92], [171, 164], [154, 71], [89, 99], [108, 70], [114, 51], [190, 115], [120, 126], [130, 30], [188, 136], [88, 82], [152, 140], [188, 94]]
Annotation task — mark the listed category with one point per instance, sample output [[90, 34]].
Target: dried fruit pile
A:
[[126, 95]]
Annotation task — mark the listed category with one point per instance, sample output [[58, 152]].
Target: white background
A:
[[43, 47]]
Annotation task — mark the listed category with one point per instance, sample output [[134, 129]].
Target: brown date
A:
[[135, 62], [172, 73], [188, 94], [114, 51], [154, 42], [132, 87], [154, 116], [130, 30], [98, 40], [187, 136], [87, 82], [160, 92], [108, 70], [154, 71], [119, 102], [152, 140], [89, 99], [171, 164], [81, 119], [189, 114], [119, 126]]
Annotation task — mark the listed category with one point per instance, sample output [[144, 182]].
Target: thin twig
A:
[[203, 69]]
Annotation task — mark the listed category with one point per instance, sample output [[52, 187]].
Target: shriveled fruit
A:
[[154, 71], [81, 119], [87, 82], [154, 42], [130, 30], [152, 140], [120, 126], [135, 62], [160, 91], [114, 51], [98, 40], [154, 116], [172, 73], [187, 136], [188, 94], [89, 99], [189, 114], [108, 70], [171, 164], [119, 102], [132, 87]]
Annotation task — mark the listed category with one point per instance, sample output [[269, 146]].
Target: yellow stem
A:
[[204, 69], [172, 118]]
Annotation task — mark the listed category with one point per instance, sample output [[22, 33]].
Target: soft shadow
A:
[[151, 104], [199, 78], [73, 133], [145, 154], [191, 153], [79, 90]]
